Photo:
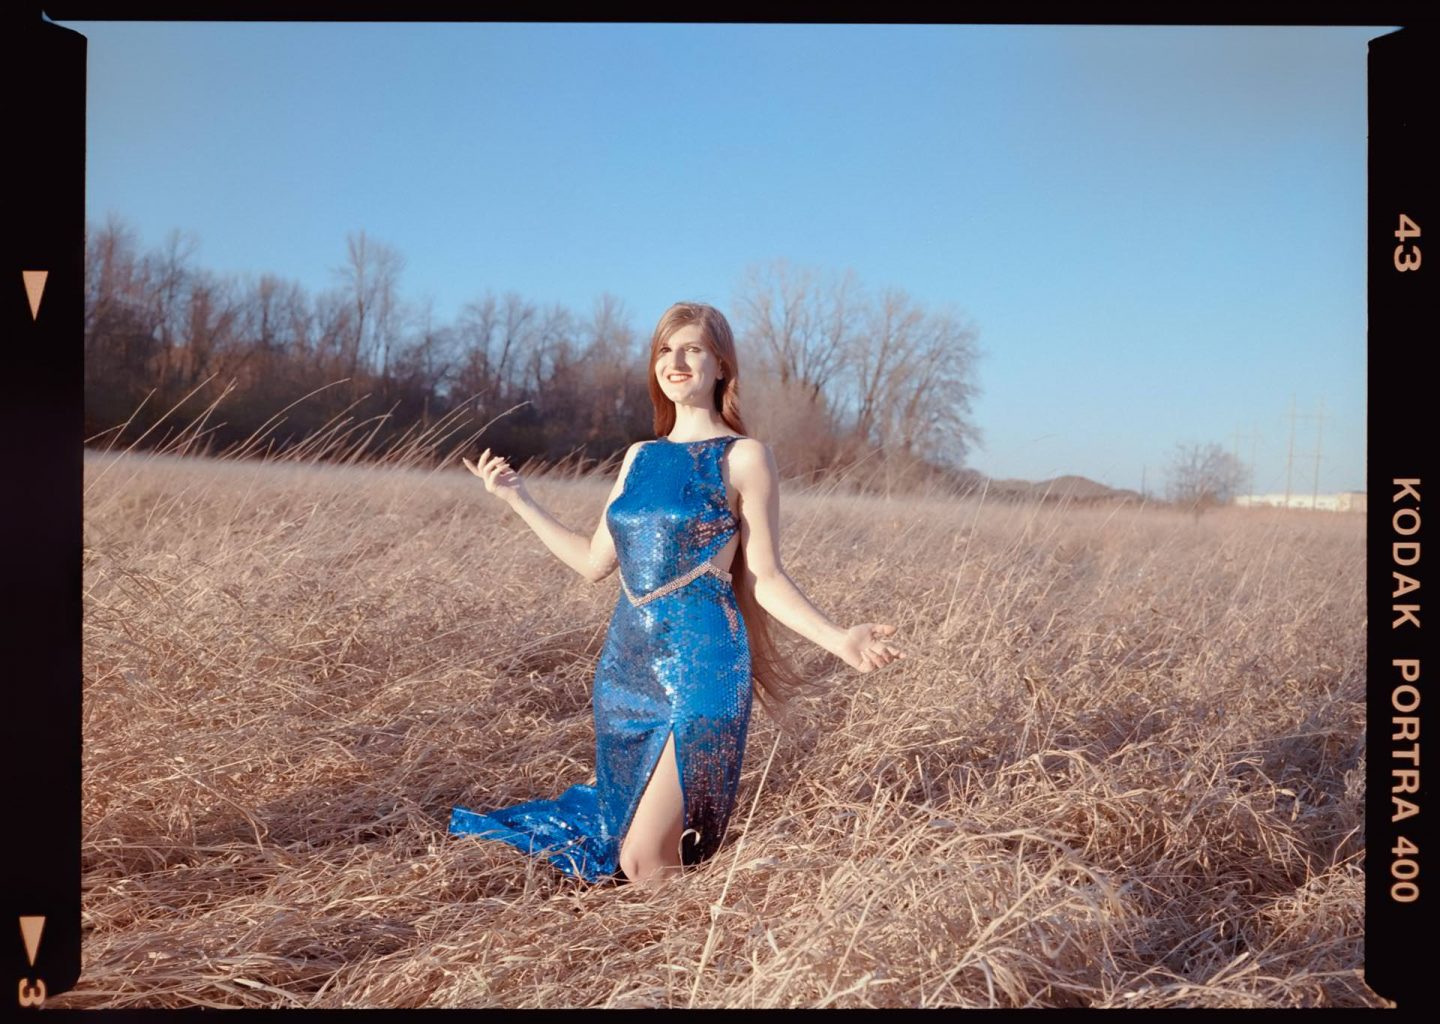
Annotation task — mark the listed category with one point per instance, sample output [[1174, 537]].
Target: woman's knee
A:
[[642, 860], [636, 868]]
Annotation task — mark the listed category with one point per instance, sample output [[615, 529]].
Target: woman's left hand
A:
[[864, 648]]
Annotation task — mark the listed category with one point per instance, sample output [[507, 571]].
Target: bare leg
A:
[[651, 848]]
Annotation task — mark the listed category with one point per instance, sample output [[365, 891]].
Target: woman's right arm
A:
[[593, 558]]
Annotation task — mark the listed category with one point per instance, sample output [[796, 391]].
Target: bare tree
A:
[[610, 360], [212, 340], [119, 332], [170, 275], [434, 352], [611, 340], [421, 367], [550, 348], [796, 424], [1202, 476], [333, 333], [885, 372], [118, 278], [475, 333], [910, 377], [927, 407], [801, 321], [371, 275], [273, 319], [496, 335]]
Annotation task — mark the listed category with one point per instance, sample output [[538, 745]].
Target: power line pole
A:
[[1290, 455], [1319, 427]]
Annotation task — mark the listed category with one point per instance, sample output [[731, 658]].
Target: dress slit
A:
[[641, 791]]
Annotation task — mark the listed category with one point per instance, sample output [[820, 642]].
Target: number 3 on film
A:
[[1407, 257], [32, 993]]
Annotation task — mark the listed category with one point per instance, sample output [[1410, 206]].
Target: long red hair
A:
[[775, 680]]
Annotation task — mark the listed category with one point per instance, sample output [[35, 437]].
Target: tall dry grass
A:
[[1121, 766]]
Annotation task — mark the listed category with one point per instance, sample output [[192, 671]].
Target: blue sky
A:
[[1158, 231]]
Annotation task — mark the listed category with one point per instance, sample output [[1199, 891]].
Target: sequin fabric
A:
[[676, 659]]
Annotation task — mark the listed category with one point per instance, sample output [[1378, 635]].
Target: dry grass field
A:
[[1121, 766]]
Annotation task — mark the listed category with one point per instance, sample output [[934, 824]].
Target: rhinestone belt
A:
[[676, 583]]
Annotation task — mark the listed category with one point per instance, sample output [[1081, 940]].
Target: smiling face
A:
[[686, 367]]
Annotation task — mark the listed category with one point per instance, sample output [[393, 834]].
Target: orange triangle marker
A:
[[34, 288], [31, 927]]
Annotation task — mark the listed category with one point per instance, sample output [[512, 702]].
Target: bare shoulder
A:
[[751, 460]]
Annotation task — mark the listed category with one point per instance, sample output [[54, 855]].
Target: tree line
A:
[[831, 373]]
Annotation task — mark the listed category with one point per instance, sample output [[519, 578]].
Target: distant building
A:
[[1344, 501]]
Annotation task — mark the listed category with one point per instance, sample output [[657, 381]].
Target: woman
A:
[[699, 571]]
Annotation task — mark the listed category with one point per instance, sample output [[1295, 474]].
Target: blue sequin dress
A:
[[676, 659]]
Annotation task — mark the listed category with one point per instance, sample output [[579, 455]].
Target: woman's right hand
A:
[[500, 480], [864, 648]]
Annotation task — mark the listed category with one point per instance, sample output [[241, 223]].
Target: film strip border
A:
[[1401, 305], [42, 454]]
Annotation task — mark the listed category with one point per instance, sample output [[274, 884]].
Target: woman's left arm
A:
[[756, 478]]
